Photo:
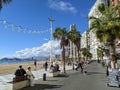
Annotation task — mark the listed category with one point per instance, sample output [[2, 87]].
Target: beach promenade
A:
[[38, 75], [74, 80]]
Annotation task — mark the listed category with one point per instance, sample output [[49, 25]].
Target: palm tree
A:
[[100, 52], [85, 52], [107, 25], [71, 36], [2, 2], [89, 55], [61, 34], [75, 37], [77, 43]]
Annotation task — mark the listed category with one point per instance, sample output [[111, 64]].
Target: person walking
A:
[[81, 66], [35, 65], [46, 66], [76, 66], [30, 76]]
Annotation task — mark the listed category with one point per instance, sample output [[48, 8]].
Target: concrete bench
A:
[[18, 83], [53, 74]]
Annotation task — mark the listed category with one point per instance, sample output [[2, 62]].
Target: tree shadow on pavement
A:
[[42, 87], [94, 73], [62, 75], [52, 80]]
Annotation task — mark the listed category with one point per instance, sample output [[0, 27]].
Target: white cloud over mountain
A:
[[41, 51], [61, 5]]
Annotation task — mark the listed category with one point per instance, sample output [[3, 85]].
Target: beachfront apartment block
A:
[[93, 41], [72, 53], [84, 40]]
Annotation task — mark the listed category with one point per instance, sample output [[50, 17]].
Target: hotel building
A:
[[72, 48], [93, 41]]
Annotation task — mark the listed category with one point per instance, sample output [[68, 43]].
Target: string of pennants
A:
[[21, 29]]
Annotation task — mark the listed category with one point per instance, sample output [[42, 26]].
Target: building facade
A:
[[72, 48], [84, 40], [93, 41]]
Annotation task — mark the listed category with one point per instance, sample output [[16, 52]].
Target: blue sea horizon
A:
[[16, 61]]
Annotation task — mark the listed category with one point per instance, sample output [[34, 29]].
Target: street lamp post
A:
[[51, 21]]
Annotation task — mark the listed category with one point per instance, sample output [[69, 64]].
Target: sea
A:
[[14, 61], [17, 61]]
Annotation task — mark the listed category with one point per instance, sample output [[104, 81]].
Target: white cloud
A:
[[63, 6], [41, 51], [45, 39]]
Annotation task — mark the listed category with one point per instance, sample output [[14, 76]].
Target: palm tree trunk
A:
[[112, 50], [63, 56], [113, 53], [72, 56], [78, 55]]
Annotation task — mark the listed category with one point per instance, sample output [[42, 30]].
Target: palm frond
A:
[[101, 8], [2, 2]]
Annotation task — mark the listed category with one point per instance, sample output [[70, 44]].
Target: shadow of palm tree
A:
[[62, 75], [42, 87], [94, 73]]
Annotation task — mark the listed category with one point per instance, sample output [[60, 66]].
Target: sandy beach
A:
[[11, 68]]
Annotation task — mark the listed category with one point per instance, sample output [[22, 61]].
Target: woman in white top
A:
[[30, 76]]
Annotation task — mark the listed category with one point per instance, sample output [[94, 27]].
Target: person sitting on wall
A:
[[57, 67], [20, 72], [51, 67]]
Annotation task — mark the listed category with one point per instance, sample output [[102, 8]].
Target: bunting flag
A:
[[5, 24], [21, 29]]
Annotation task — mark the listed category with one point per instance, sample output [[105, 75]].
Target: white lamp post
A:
[[51, 21]]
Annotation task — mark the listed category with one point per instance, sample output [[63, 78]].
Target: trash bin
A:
[[44, 77]]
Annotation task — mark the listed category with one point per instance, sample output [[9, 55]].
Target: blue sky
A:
[[24, 25]]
